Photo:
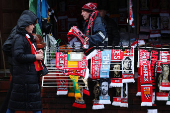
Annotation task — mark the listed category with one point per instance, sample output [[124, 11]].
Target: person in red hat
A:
[[94, 27]]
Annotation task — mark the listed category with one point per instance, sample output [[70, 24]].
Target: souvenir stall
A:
[[142, 48]]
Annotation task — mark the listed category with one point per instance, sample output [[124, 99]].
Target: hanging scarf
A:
[[146, 95], [37, 63], [115, 66], [95, 65], [116, 96], [138, 86], [128, 66], [116, 74], [96, 91], [90, 52], [104, 97], [62, 84], [165, 82], [79, 102], [76, 86], [105, 65], [124, 95]]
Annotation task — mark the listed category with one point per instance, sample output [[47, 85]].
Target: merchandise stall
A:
[[141, 57]]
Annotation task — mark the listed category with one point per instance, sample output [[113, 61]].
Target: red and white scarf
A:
[[37, 63]]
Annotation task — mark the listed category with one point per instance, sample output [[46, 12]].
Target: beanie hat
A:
[[90, 6]]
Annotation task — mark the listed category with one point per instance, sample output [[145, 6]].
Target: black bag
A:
[[44, 71], [8, 44]]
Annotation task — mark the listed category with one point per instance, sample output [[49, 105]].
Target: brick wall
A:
[[53, 103]]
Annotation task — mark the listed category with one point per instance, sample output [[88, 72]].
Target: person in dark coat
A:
[[25, 94], [97, 33], [111, 27]]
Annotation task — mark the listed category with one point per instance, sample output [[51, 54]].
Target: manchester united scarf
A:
[[104, 97], [62, 83], [124, 95], [128, 66], [165, 78], [96, 92], [116, 68], [116, 96], [115, 74], [96, 65], [146, 95], [79, 102], [37, 63], [105, 65]]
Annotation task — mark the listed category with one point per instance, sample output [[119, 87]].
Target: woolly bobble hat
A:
[[90, 6]]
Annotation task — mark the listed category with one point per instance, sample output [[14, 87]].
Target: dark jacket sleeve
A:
[[21, 51], [99, 33]]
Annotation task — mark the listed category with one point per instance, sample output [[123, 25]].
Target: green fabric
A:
[[38, 30], [33, 6], [76, 86]]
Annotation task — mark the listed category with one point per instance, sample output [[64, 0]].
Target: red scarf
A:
[[91, 20], [37, 63]]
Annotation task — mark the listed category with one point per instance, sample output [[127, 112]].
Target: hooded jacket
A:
[[25, 94]]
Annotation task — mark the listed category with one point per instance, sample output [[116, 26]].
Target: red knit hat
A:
[[90, 6]]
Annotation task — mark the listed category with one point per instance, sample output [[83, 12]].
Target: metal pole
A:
[[3, 56]]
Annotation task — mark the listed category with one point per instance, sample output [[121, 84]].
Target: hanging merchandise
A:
[[96, 92], [160, 95], [104, 97], [44, 9], [138, 86], [76, 86], [164, 22], [124, 95], [144, 23], [86, 89], [165, 78], [72, 64], [71, 92], [95, 65], [146, 95], [79, 102], [168, 102], [115, 68], [116, 74], [131, 18], [116, 96], [39, 12], [105, 65], [128, 66], [62, 84], [154, 26], [33, 6]]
